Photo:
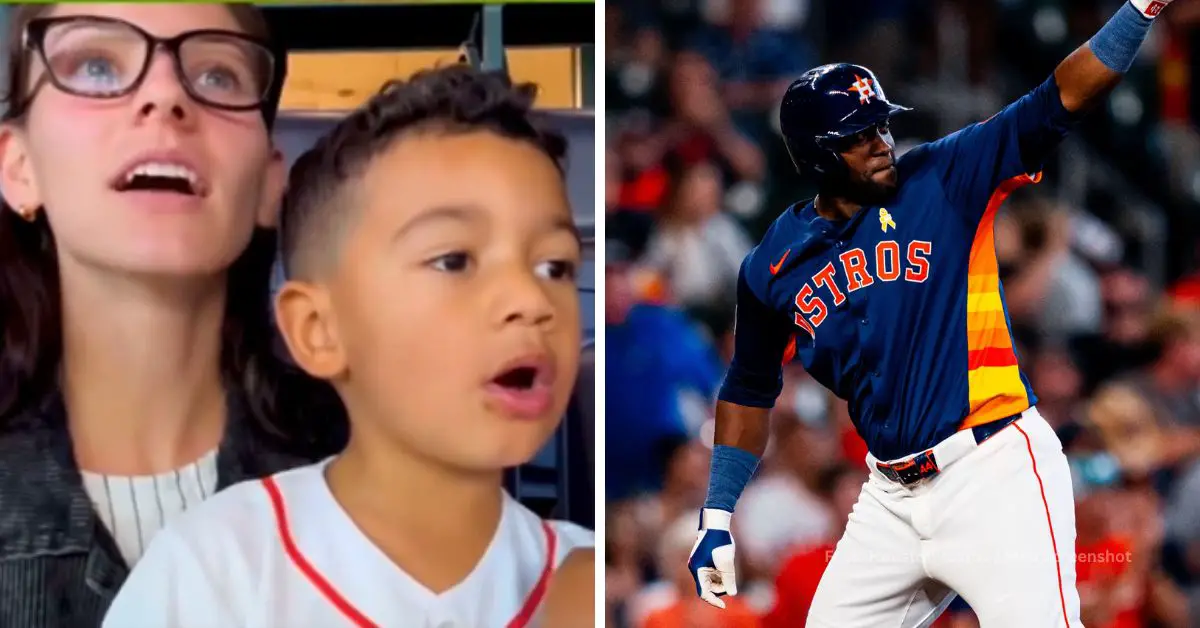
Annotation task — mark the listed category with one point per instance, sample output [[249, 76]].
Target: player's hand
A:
[[711, 563]]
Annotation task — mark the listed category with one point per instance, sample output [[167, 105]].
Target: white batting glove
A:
[[1150, 8], [711, 563]]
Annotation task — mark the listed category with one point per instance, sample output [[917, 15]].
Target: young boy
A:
[[431, 258]]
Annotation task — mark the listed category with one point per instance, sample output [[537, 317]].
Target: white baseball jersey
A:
[[282, 552]]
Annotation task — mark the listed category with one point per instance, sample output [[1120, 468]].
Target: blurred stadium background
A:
[[1099, 263], [342, 52]]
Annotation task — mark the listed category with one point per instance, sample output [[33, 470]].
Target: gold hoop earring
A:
[[29, 214]]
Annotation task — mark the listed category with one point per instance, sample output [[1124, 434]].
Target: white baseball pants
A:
[[996, 526]]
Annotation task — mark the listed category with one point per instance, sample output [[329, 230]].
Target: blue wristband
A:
[[732, 469], [1116, 44]]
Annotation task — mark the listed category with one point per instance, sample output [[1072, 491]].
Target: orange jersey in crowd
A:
[[695, 613]]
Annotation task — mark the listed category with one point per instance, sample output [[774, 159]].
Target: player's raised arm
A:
[[1010, 147], [1014, 143], [1087, 75], [751, 386]]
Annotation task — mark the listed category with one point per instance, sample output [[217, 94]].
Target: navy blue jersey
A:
[[899, 310]]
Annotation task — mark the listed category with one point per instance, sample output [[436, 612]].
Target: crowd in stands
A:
[[1110, 341]]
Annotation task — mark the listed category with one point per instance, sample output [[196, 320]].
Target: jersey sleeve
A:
[[976, 161], [571, 536], [760, 338], [171, 588]]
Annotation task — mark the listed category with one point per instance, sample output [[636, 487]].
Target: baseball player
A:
[[885, 288], [447, 317]]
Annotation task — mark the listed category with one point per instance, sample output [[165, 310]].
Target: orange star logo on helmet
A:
[[865, 91]]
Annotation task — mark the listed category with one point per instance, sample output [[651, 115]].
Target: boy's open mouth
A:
[[523, 387], [520, 378]]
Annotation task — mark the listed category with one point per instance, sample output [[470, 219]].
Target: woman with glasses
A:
[[136, 368]]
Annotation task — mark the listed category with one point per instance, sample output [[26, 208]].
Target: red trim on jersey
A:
[[991, 356], [539, 590], [789, 352], [1062, 599], [310, 573], [532, 602]]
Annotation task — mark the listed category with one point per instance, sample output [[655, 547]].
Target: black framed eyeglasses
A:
[[101, 57]]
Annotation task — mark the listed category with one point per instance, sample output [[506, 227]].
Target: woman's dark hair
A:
[[450, 99], [31, 309]]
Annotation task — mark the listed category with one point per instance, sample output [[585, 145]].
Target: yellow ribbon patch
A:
[[885, 220]]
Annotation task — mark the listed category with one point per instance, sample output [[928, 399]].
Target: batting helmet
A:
[[827, 104]]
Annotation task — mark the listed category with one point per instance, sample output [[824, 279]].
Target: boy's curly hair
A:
[[450, 99]]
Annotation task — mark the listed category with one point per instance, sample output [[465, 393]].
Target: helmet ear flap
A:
[[797, 162], [813, 156], [832, 156]]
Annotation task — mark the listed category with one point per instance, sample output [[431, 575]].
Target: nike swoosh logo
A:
[[776, 266]]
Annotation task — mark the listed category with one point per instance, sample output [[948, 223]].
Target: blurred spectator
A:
[[1176, 133], [1182, 533], [872, 33], [1128, 429], [838, 487], [685, 482], [697, 246], [1026, 273], [1119, 541], [699, 131], [755, 63], [1172, 381], [702, 129], [1124, 341], [1171, 384], [626, 231], [634, 72], [1109, 594], [644, 178], [654, 356], [1046, 286], [1059, 389], [624, 567], [786, 506]]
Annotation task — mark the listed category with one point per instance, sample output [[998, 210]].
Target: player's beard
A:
[[858, 188]]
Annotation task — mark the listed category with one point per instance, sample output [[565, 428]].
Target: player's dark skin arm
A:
[[744, 427], [1083, 81], [754, 378]]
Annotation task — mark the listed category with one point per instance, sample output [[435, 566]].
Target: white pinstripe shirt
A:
[[135, 508]]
